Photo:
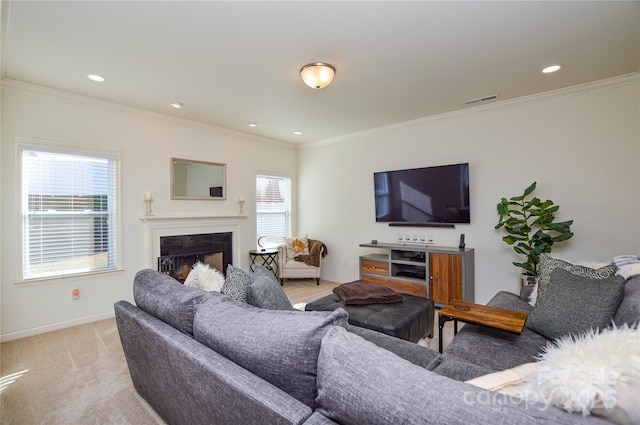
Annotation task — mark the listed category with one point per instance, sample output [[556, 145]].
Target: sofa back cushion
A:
[[279, 346], [629, 310], [167, 299], [360, 383]]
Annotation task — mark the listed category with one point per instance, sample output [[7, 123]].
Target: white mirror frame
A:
[[198, 180]]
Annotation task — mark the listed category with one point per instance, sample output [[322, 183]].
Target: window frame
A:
[[30, 144], [289, 212]]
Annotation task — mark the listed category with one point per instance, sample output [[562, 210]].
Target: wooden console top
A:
[[499, 318]]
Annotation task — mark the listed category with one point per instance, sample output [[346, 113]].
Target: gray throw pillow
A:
[[573, 304], [629, 310], [266, 292], [548, 264], [236, 284], [281, 347]]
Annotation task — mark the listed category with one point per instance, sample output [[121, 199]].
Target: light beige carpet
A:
[[72, 376]]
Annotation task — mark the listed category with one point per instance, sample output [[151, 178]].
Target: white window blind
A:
[[69, 211], [273, 209]]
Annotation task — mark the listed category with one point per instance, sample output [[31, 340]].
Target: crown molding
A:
[[94, 103], [609, 83]]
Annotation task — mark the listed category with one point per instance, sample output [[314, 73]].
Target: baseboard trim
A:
[[54, 327]]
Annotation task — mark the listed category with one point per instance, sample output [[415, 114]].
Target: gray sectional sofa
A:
[[203, 358]]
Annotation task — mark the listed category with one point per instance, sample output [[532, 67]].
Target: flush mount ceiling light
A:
[[550, 69], [96, 78], [317, 75], [177, 105]]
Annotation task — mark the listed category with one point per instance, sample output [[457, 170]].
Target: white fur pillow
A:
[[204, 277], [592, 373]]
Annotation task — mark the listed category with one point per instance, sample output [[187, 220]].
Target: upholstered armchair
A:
[[301, 265]]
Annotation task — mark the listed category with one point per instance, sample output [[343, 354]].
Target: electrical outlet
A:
[[131, 227], [346, 265]]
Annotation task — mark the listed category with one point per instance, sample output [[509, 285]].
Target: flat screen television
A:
[[428, 195]]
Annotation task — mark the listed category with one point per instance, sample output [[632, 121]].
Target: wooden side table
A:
[[268, 259], [483, 315]]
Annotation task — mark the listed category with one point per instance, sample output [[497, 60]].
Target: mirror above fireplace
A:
[[199, 180]]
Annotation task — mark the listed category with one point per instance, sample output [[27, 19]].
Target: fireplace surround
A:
[[187, 239]]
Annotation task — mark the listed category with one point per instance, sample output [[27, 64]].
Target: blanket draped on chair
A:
[[316, 249]]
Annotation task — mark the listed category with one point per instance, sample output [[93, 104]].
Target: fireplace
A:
[[179, 252], [189, 229]]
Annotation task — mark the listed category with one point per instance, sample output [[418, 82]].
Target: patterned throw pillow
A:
[[297, 246], [572, 304], [548, 264], [236, 284]]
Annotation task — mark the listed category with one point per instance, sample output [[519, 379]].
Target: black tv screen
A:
[[423, 195]]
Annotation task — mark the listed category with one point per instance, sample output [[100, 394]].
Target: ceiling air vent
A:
[[481, 99]]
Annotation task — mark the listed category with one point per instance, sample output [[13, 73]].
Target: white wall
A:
[[581, 145], [146, 142]]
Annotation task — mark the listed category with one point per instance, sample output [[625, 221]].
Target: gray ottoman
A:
[[410, 319]]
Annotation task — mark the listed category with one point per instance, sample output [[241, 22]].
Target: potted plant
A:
[[530, 229]]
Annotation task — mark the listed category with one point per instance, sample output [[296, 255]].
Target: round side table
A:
[[267, 258]]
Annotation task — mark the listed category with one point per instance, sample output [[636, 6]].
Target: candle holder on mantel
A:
[[241, 204], [148, 199]]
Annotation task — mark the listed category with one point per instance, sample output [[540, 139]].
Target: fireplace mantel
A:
[[183, 217], [157, 226]]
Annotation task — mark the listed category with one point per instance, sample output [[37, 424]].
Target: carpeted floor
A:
[[79, 375], [71, 376]]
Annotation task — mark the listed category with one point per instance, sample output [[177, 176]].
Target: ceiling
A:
[[235, 62]]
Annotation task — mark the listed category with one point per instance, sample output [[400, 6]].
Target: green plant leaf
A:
[[509, 240], [530, 189], [563, 237]]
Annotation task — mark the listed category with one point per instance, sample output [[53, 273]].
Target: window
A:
[[273, 209], [69, 211]]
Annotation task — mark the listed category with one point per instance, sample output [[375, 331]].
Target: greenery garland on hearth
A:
[[530, 227]]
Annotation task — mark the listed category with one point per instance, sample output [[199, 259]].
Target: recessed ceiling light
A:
[[177, 105], [550, 69], [96, 78], [253, 124], [297, 133]]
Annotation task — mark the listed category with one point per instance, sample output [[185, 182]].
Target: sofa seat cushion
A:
[[167, 299], [360, 383], [489, 350], [281, 347], [472, 352]]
